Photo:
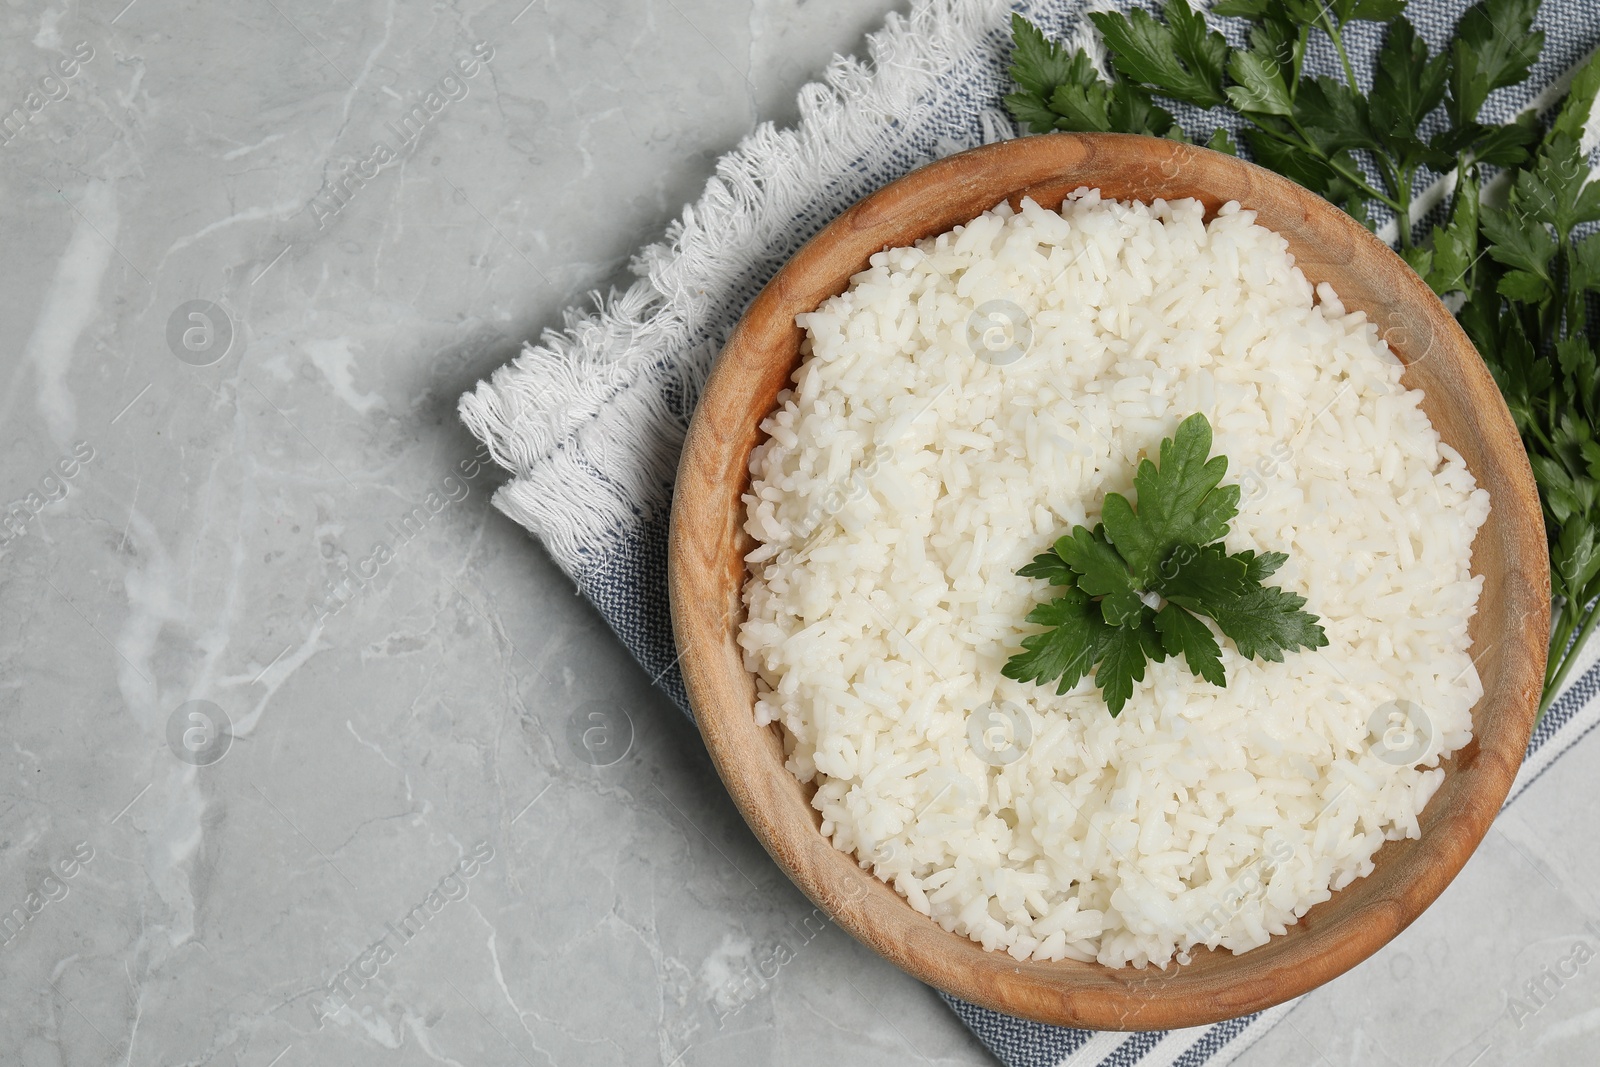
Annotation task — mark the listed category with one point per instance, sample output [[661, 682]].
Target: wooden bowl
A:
[[1509, 634]]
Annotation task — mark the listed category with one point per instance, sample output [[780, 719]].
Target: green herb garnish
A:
[[1167, 550], [1520, 273], [1358, 149]]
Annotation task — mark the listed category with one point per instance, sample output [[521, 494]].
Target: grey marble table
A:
[[257, 813]]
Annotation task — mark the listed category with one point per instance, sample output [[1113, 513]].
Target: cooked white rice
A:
[[904, 482]]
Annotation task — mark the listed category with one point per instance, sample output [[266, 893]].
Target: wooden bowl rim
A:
[[1068, 993]]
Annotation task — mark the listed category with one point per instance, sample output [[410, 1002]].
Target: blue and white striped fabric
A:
[[590, 420]]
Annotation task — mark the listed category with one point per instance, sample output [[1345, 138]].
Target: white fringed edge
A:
[[551, 415]]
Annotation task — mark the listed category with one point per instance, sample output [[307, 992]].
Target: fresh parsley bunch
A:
[[1526, 310], [1506, 251], [1134, 587], [1355, 148]]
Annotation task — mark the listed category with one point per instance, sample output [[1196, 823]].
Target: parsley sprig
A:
[[1506, 250], [1136, 586]]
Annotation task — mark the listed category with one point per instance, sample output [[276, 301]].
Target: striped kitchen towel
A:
[[589, 421]]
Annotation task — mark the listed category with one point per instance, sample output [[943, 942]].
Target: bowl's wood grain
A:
[[1510, 631]]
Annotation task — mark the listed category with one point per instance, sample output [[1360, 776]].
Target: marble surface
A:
[[257, 813]]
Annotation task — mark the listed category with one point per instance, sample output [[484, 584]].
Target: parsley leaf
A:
[[1574, 114], [1032, 111], [1197, 575], [1039, 64], [1407, 85], [1518, 242], [1123, 652], [1220, 141], [1181, 59], [1101, 108], [1241, 8], [1067, 651], [1182, 634], [1455, 246], [1575, 559], [1261, 620], [1267, 621], [1201, 49], [1128, 108], [1261, 88], [1367, 10], [1104, 620], [1260, 568], [1102, 573], [1292, 11], [1052, 568], [1333, 115], [1179, 502], [1557, 191], [1492, 47]]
